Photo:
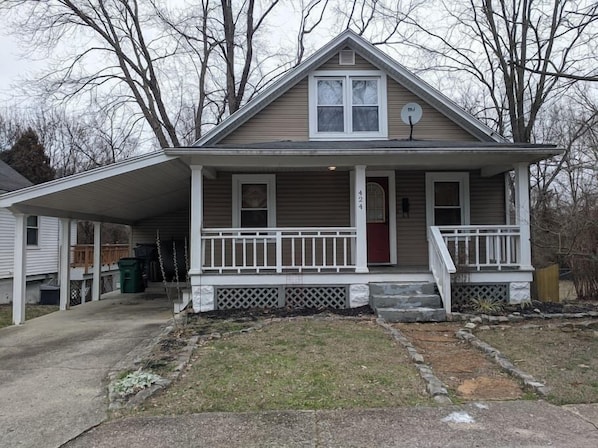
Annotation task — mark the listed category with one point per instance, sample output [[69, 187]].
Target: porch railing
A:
[[471, 248], [309, 249], [441, 265], [483, 248], [82, 255]]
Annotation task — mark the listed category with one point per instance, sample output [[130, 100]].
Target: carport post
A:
[[19, 275], [65, 265], [96, 283]]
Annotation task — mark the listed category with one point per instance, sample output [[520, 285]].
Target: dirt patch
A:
[[464, 370], [489, 388]]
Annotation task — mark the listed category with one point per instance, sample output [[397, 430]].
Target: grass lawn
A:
[[31, 312], [565, 359], [296, 364]]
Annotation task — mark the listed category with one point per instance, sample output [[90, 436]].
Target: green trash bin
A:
[[131, 275]]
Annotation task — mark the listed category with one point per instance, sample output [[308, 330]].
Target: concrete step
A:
[[402, 288], [421, 314], [405, 301]]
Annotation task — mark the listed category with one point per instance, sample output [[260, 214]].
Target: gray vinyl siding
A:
[[487, 199], [360, 64], [284, 119], [433, 124], [313, 199], [412, 244], [287, 118], [174, 226], [41, 259], [218, 209]]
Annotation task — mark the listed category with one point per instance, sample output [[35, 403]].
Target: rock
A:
[[536, 310], [476, 320], [470, 325]]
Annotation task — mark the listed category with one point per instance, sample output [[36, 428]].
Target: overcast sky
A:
[[12, 66]]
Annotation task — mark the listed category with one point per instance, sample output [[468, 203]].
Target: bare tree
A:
[[510, 48], [181, 69]]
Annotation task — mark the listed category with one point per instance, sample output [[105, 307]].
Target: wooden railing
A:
[[441, 265], [483, 248], [322, 249], [82, 255]]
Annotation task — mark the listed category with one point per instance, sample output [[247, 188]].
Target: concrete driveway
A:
[[53, 369]]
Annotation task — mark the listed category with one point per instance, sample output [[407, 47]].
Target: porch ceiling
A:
[[125, 192]]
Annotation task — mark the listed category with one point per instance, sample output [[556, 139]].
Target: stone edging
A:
[[517, 317], [528, 380], [433, 385]]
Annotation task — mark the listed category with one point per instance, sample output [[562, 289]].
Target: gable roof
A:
[[10, 179], [374, 56]]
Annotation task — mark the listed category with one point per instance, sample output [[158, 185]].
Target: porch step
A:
[[402, 288], [417, 314], [407, 302]]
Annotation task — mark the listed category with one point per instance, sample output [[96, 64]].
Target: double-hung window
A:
[[347, 105], [254, 201], [447, 198], [32, 230]]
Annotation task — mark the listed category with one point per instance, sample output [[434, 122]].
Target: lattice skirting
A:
[[462, 293], [282, 296], [76, 289]]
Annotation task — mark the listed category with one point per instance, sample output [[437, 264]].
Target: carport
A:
[[124, 193]]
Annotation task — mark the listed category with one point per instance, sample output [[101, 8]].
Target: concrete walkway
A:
[[487, 425], [53, 368]]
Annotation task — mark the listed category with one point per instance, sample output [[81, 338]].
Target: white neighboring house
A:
[[42, 243]]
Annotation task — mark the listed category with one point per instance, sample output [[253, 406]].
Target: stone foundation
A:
[[203, 299], [359, 295]]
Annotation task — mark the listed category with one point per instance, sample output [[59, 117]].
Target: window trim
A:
[[36, 228], [463, 179], [348, 76], [238, 180]]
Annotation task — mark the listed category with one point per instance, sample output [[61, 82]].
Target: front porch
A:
[[244, 266], [316, 267]]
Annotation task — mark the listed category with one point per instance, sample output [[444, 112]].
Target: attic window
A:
[[346, 57], [347, 105]]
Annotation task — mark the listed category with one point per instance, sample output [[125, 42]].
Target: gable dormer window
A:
[[347, 105]]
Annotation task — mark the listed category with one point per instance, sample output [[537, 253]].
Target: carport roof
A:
[[124, 192]]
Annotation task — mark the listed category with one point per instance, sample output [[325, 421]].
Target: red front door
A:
[[377, 220]]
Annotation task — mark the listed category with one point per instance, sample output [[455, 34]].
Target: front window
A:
[[32, 230], [347, 105], [447, 199], [254, 198], [447, 203]]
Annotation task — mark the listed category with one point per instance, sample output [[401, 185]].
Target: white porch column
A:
[[196, 219], [96, 284], [19, 275], [65, 264], [523, 213], [361, 247]]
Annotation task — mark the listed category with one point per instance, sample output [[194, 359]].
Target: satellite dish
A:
[[411, 113]]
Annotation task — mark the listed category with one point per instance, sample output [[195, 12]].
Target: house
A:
[[349, 177], [41, 244]]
